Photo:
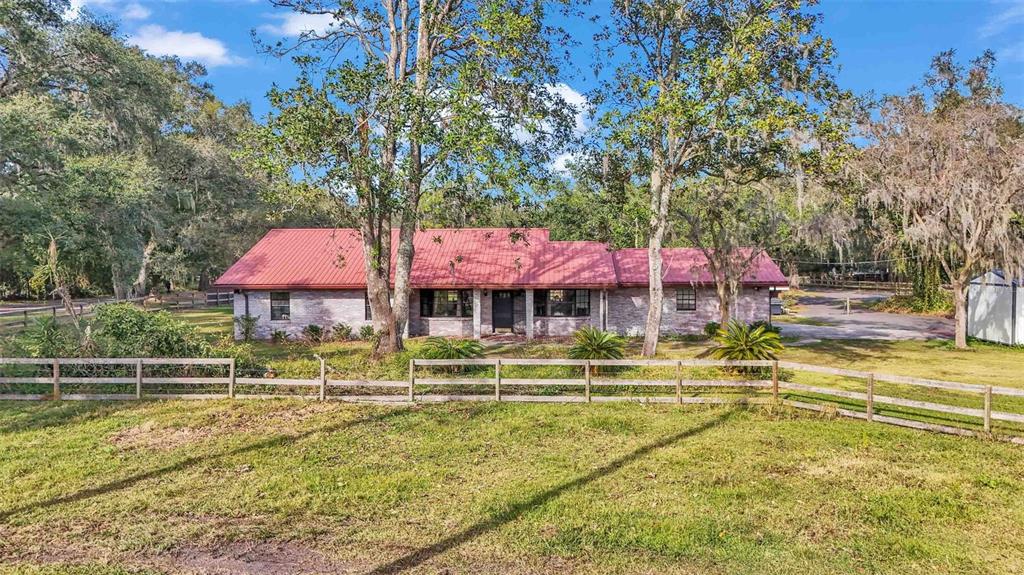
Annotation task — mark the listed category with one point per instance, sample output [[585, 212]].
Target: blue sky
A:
[[883, 46]]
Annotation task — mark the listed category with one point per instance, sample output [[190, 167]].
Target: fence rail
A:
[[14, 319], [578, 381]]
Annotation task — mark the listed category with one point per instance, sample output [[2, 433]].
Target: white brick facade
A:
[[627, 310], [626, 313], [320, 307]]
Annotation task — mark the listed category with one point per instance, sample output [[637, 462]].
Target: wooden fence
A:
[[743, 382], [17, 318], [849, 283]]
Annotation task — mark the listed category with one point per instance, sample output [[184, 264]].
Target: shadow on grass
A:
[[850, 349], [35, 415], [129, 481], [423, 554]]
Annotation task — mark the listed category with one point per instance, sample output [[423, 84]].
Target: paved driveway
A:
[[829, 307]]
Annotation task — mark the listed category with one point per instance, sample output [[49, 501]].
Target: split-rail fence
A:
[[967, 411]]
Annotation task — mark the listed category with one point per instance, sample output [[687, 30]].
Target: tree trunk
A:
[[138, 288], [724, 302], [403, 272], [660, 187], [794, 276], [377, 256], [960, 303]]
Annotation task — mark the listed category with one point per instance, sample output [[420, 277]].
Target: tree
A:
[[708, 87], [121, 161], [945, 162], [396, 97]]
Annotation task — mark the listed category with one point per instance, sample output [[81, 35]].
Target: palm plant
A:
[[737, 341], [445, 348], [592, 343]]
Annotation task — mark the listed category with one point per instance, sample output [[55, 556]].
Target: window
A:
[[446, 303], [367, 312], [686, 299], [561, 303], [280, 305]]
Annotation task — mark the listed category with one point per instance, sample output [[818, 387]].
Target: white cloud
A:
[[295, 23], [135, 11], [561, 162], [75, 10], [578, 101], [1012, 53], [159, 41], [1009, 17]]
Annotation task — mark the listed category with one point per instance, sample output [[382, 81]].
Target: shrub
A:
[[47, 338], [313, 333], [767, 326], [592, 343], [127, 331], [366, 333], [342, 331], [247, 326], [745, 342], [279, 336], [711, 328], [445, 348]]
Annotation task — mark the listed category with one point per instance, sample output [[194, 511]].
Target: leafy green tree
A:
[[708, 87], [396, 98]]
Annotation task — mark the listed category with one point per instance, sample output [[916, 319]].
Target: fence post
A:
[[679, 382], [586, 380], [412, 378], [138, 378], [988, 409], [871, 397], [24, 322], [775, 381], [231, 379], [497, 380], [56, 379], [323, 379]]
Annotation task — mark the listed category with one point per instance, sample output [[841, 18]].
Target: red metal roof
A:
[[688, 266], [460, 258]]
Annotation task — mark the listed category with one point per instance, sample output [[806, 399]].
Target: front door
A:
[[501, 310]]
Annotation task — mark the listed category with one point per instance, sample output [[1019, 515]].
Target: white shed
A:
[[995, 308]]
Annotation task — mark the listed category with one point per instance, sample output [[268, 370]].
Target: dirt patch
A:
[[263, 558], [149, 436]]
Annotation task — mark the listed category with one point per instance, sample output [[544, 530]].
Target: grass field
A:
[[288, 486], [485, 488]]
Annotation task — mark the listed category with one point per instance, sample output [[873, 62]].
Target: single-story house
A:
[[480, 281], [995, 308]]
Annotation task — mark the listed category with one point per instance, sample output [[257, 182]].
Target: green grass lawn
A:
[[487, 488], [986, 364]]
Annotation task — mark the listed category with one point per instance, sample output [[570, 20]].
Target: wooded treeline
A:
[[717, 124]]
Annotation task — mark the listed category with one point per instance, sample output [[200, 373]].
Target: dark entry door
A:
[[501, 306]]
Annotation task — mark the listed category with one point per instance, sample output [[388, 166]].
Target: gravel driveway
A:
[[829, 307]]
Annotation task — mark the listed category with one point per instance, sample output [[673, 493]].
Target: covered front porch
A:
[[482, 312]]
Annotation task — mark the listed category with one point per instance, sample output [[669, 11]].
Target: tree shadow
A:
[[191, 461], [33, 415], [851, 350], [423, 554]]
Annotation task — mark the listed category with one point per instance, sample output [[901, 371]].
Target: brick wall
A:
[[321, 307], [627, 310], [627, 313]]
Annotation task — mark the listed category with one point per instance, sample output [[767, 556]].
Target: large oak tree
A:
[[397, 96]]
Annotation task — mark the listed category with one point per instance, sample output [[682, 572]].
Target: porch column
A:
[[529, 314], [604, 310], [477, 305]]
